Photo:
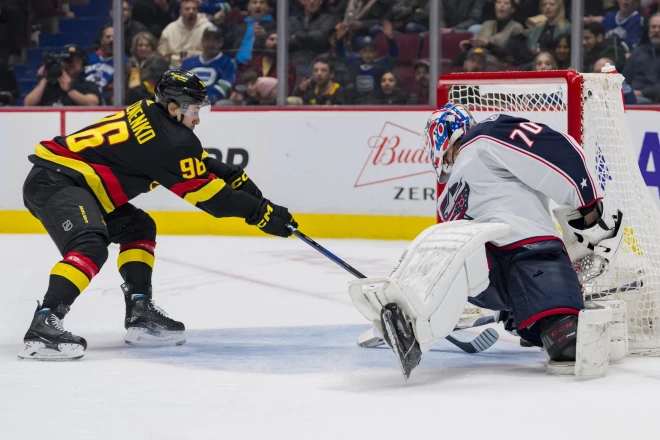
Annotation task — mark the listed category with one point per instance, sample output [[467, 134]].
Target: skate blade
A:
[[555, 368], [37, 351], [368, 339], [142, 337], [407, 360]]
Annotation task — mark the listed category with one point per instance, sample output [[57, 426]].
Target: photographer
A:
[[60, 81]]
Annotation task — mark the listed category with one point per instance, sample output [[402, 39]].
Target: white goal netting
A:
[[603, 130]]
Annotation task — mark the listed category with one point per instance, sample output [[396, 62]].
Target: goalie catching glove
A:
[[272, 219], [592, 247]]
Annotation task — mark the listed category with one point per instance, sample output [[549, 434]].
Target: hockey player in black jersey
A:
[[80, 187]]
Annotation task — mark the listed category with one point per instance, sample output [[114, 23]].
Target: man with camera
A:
[[61, 82]]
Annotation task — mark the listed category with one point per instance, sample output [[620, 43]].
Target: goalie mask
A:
[[444, 128]]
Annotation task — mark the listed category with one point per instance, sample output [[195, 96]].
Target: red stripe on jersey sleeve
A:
[[182, 188]]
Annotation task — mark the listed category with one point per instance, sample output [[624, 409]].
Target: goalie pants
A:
[[531, 282], [77, 226]]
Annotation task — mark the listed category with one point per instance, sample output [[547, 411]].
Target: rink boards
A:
[[352, 173]]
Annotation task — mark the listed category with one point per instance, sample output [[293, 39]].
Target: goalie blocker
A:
[[449, 264]]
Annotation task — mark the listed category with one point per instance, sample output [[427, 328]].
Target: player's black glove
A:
[[239, 180], [272, 219]]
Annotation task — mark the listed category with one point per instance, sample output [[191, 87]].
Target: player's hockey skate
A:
[[46, 339], [400, 337], [147, 324]]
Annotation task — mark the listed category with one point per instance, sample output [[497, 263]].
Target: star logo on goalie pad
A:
[[584, 183]]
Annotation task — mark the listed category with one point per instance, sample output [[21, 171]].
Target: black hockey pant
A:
[[74, 221]]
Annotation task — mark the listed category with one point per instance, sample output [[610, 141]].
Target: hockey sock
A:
[[68, 278], [136, 262]]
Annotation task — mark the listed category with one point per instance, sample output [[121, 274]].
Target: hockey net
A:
[[590, 108]]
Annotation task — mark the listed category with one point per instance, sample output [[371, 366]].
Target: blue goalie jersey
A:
[[218, 74]]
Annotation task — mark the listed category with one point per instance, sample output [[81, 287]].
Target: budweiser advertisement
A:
[[335, 162]]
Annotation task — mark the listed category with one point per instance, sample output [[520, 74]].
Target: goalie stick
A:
[[369, 339], [482, 342]]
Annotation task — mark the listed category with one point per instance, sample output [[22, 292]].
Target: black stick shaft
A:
[[350, 269]]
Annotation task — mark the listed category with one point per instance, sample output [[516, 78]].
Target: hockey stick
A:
[[369, 338], [482, 342]]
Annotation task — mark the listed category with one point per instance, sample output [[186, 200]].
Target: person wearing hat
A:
[[475, 61], [364, 67], [61, 81]]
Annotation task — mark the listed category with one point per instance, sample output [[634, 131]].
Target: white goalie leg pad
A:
[[592, 353], [444, 265], [618, 328]]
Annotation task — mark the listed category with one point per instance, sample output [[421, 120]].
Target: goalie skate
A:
[[400, 337]]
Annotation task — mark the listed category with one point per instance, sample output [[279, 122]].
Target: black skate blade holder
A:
[[396, 326]]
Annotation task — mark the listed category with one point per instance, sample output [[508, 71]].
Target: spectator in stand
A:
[[526, 9], [216, 70], [265, 63], [410, 16], [252, 33], [131, 27], [561, 51], [597, 46], [245, 93], [461, 15], [494, 35], [642, 69], [544, 61], [421, 92], [364, 68], [100, 69], [542, 36], [155, 14], [629, 97], [9, 92], [216, 10], [13, 15], [388, 93], [309, 34], [183, 37], [363, 17], [475, 61], [70, 87], [320, 89], [266, 90], [625, 24], [145, 67]]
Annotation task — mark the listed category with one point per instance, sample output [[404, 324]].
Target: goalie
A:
[[500, 175]]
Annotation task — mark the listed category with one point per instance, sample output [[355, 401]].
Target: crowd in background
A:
[[371, 52]]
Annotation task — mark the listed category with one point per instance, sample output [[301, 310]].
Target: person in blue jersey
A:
[[215, 69], [626, 23], [100, 68], [365, 67]]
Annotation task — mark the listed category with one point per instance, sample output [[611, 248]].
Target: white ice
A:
[[271, 354]]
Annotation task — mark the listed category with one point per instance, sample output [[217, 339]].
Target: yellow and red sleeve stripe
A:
[[141, 251], [76, 268], [196, 191], [100, 178]]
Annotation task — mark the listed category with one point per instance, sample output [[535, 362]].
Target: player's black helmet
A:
[[180, 86]]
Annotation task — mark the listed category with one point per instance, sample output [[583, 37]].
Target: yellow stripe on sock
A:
[[73, 274], [135, 256]]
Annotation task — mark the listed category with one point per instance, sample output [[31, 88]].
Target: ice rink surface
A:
[[271, 354]]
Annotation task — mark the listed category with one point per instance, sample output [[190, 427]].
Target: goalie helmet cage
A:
[[590, 108]]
